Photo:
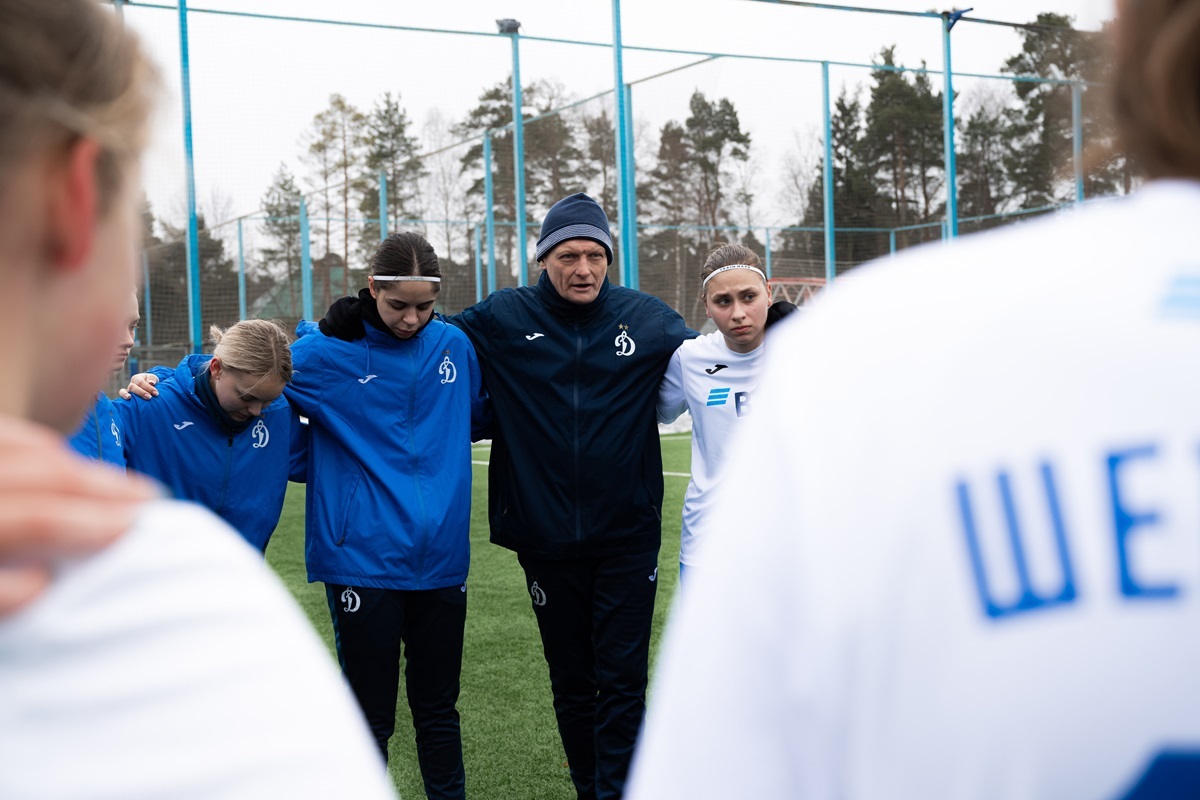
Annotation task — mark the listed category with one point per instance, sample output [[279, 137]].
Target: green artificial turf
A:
[[510, 742]]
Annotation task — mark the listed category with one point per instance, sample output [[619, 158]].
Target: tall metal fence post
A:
[[630, 240], [1077, 131], [241, 273], [306, 280], [193, 233], [892, 242], [148, 309], [383, 206], [830, 232], [948, 20], [623, 179], [768, 247], [519, 161], [490, 217], [478, 266]]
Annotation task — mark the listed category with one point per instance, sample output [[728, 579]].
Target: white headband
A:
[[719, 270], [426, 278]]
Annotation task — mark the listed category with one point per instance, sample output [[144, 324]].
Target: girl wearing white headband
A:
[[714, 377], [393, 395]]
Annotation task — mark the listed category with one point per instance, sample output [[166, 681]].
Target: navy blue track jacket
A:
[[576, 468]]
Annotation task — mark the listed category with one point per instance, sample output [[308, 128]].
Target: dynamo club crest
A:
[[624, 342]]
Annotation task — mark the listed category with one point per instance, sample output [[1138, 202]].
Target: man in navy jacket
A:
[[573, 365]]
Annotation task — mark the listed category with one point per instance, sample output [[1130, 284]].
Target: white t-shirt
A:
[[715, 385], [846, 640], [174, 665]]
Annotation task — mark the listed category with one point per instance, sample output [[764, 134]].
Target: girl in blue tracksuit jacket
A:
[[219, 431], [99, 436], [393, 395]]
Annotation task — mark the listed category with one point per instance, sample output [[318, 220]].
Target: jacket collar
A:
[[565, 309]]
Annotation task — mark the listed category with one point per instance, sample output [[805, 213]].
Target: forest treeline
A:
[[1013, 147]]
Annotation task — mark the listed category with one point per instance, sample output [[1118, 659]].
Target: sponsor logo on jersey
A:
[[447, 370], [624, 342], [262, 436], [538, 595], [180, 426], [741, 401], [715, 368], [116, 433], [352, 600], [532, 336], [654, 575], [719, 397], [367, 379], [1183, 297]]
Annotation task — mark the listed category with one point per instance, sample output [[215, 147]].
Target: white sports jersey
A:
[[174, 664], [972, 567], [714, 384]]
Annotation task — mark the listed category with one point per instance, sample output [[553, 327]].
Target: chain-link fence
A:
[[845, 163]]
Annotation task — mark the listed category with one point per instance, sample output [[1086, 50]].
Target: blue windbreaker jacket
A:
[[576, 468], [99, 437], [242, 478], [390, 425]]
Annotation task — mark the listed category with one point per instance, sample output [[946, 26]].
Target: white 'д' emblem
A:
[[624, 342]]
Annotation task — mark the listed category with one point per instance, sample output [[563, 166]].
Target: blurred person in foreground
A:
[[171, 663], [960, 551]]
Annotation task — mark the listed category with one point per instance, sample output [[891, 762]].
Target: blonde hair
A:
[[722, 255], [255, 347], [69, 69], [1157, 86]]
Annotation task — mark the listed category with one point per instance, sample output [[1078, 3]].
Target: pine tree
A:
[[389, 148], [983, 187], [1040, 158], [667, 197], [714, 135], [494, 111], [555, 164], [344, 124], [281, 206], [902, 143], [600, 145]]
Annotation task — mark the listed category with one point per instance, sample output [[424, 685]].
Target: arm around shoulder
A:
[[671, 398]]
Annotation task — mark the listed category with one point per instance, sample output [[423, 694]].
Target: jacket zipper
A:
[[575, 416], [412, 415]]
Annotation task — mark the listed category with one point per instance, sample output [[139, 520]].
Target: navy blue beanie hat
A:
[[574, 217]]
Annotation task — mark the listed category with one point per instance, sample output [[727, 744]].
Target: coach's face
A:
[[577, 268]]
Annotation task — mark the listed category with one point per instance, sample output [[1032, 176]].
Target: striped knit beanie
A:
[[574, 217]]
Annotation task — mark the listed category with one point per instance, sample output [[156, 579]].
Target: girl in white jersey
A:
[[714, 376], [967, 537]]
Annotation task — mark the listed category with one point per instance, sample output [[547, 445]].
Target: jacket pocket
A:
[[347, 506]]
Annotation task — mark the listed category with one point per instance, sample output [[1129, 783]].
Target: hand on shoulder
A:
[[54, 504]]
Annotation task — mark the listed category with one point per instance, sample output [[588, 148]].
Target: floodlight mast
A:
[[512, 28]]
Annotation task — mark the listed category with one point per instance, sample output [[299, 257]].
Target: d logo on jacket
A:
[[447, 370], [624, 342], [262, 436]]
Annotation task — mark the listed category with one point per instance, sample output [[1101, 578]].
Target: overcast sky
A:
[[256, 84]]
